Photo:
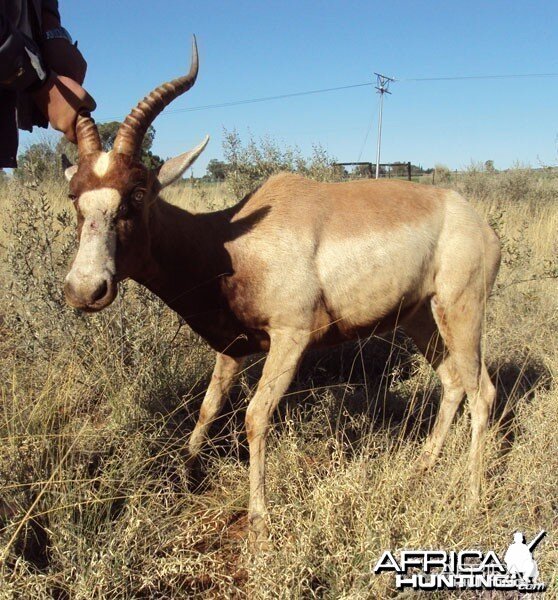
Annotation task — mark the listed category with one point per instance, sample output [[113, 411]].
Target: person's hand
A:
[[61, 99], [64, 58]]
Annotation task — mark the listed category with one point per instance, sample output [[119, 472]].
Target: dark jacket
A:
[[21, 70]]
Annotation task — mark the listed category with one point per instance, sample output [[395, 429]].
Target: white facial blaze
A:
[[95, 260], [100, 168]]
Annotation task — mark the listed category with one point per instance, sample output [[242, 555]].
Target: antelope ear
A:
[[69, 169], [175, 167], [70, 172]]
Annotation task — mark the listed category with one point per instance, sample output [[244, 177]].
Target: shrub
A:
[[252, 163], [442, 174]]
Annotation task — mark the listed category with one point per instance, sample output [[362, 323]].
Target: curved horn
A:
[[88, 139], [133, 129]]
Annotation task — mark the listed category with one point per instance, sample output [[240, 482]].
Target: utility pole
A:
[[382, 85]]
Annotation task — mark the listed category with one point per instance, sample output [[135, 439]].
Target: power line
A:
[[263, 99], [368, 130], [342, 87], [465, 77]]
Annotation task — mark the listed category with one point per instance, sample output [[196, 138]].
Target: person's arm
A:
[[21, 65], [60, 54], [50, 9], [62, 97], [52, 73]]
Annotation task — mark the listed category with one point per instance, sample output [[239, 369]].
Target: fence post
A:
[[409, 171]]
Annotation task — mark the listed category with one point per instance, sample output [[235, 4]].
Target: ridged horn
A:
[[87, 136], [132, 131]]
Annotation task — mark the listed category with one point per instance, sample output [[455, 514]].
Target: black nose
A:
[[100, 292]]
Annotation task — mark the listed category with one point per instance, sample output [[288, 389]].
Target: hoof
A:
[[192, 461], [425, 462], [193, 450]]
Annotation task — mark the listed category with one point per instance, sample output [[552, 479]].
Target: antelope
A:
[[296, 264]]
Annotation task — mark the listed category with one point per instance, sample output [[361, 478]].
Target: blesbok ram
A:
[[296, 264]]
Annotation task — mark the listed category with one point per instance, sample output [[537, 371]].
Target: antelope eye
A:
[[138, 195], [72, 197]]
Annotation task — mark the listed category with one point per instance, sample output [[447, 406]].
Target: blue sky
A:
[[255, 49]]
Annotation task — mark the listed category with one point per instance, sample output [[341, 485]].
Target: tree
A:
[[442, 173], [362, 171], [399, 169], [489, 166], [217, 170], [340, 172], [66, 147], [107, 133], [41, 161], [38, 162]]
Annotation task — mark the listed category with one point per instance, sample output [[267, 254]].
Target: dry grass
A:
[[96, 501]]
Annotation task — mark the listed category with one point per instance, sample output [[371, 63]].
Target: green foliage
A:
[[489, 166], [108, 131], [398, 169], [66, 147], [362, 172], [217, 170], [39, 162], [252, 163]]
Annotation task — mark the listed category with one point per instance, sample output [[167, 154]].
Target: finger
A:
[[76, 96], [89, 103]]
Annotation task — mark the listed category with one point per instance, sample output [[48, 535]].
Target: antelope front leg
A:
[[225, 372], [284, 355]]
